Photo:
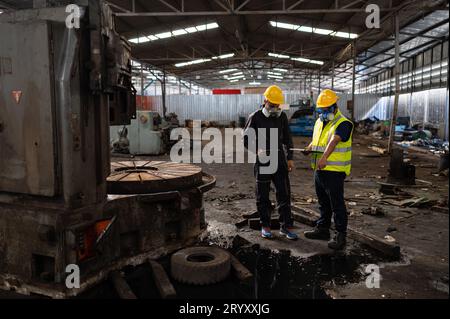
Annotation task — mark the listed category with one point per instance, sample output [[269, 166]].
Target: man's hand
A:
[[307, 150], [322, 163], [290, 165]]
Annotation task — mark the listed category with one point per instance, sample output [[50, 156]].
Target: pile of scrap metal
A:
[[406, 135], [63, 206]]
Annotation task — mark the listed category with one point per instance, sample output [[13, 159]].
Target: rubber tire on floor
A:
[[200, 272]]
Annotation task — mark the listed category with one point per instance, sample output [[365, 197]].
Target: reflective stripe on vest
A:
[[340, 159]]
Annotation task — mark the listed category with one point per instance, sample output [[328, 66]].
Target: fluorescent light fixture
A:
[[307, 29], [274, 76], [280, 70], [223, 56], [274, 73], [201, 27], [191, 29], [233, 81], [236, 77], [305, 60], [345, 35], [322, 31], [210, 26], [139, 40], [178, 65], [255, 83], [169, 34], [179, 32], [283, 25], [227, 71], [237, 73], [276, 55], [163, 35]]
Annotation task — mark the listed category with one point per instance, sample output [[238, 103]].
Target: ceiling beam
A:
[[248, 12], [170, 6]]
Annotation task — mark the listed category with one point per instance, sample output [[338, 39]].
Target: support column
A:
[[397, 85], [142, 86], [320, 83], [353, 81], [332, 75], [163, 93]]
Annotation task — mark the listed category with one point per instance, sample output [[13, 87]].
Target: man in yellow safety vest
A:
[[331, 149]]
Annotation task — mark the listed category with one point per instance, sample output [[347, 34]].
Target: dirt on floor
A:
[[421, 232]]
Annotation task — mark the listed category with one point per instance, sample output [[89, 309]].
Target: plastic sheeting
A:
[[423, 107]]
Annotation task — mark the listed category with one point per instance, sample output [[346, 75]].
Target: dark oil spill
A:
[[277, 275]]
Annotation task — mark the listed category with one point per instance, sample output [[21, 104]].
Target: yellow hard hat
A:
[[274, 94], [327, 98]]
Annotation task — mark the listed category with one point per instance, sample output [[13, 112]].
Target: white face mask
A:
[[267, 113], [275, 112]]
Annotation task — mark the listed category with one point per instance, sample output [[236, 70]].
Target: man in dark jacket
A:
[[270, 133]]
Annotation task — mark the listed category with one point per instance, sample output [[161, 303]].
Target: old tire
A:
[[200, 265]]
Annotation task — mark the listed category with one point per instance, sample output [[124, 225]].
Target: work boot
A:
[[318, 233], [338, 242]]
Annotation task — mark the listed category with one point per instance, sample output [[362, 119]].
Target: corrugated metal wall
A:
[[219, 108], [429, 106]]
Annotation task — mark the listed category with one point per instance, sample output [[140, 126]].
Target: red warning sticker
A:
[[16, 96]]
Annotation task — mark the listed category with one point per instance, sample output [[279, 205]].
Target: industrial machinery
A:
[[148, 134], [62, 203], [303, 119]]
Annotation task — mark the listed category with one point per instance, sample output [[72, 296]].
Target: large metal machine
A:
[[60, 89]]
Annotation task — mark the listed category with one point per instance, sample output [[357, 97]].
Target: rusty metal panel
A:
[[26, 121]]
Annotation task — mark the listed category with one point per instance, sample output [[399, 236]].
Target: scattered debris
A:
[[373, 211], [392, 189], [417, 202], [389, 239], [308, 217], [240, 271], [440, 209], [442, 173], [162, 281], [420, 202], [351, 203], [233, 197], [377, 149], [391, 229], [122, 288], [352, 213]]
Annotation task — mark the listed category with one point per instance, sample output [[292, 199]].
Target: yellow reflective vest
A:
[[340, 159]]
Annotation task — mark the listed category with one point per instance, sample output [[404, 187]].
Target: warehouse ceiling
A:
[[259, 41], [217, 43]]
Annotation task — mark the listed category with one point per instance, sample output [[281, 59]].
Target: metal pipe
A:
[[397, 84], [256, 12], [66, 62]]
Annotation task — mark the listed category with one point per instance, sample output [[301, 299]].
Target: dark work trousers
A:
[[330, 194], [280, 179]]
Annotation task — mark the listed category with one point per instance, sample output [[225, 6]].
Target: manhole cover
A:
[[143, 177]]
